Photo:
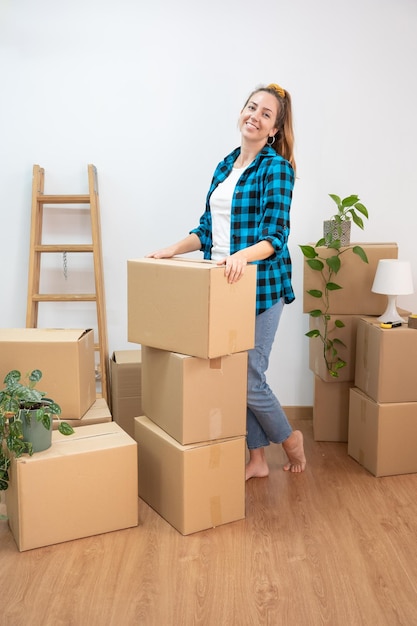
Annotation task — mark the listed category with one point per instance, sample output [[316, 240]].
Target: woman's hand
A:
[[191, 243], [163, 253], [234, 266]]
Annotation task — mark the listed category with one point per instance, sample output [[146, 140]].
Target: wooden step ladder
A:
[[37, 248]]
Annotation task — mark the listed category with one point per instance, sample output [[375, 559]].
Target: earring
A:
[[272, 142]]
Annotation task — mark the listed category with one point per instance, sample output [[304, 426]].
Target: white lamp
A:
[[392, 278]]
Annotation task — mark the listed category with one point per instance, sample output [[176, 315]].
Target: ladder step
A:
[[63, 199], [64, 297], [89, 204], [62, 247]]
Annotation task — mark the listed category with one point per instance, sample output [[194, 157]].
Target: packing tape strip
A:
[[232, 341], [214, 457], [216, 511], [215, 423]]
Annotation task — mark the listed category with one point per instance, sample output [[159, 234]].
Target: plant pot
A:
[[333, 231], [35, 432]]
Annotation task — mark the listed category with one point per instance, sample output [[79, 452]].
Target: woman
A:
[[247, 220]]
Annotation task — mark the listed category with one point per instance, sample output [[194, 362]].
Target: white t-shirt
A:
[[221, 207]]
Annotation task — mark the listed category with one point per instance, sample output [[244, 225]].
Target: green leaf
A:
[[350, 200], [12, 377], [308, 252], [47, 421], [358, 220], [54, 408], [334, 263], [332, 286], [339, 324], [315, 264], [10, 405], [316, 293], [315, 313], [321, 242], [336, 199], [360, 252], [334, 244], [35, 376], [65, 429], [362, 209], [339, 342]]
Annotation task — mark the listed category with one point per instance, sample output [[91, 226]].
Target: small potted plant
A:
[[338, 227], [328, 267], [26, 417]]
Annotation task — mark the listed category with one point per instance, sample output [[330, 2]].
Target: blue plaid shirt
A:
[[260, 211]]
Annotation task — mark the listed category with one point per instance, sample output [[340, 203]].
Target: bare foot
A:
[[257, 466], [294, 449]]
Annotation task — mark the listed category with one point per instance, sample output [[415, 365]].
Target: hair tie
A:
[[279, 90]]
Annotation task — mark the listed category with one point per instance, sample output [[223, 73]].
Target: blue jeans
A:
[[266, 421]]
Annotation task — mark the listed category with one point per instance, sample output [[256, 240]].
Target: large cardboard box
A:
[[98, 413], [195, 399], [356, 279], [85, 484], [192, 487], [386, 360], [331, 410], [187, 306], [382, 436], [126, 388], [347, 352], [65, 358]]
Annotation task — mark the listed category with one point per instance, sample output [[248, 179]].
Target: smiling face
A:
[[258, 117]]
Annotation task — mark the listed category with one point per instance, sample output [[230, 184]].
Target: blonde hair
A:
[[284, 139]]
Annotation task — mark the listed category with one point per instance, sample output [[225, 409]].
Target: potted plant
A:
[[26, 417], [338, 227], [328, 267]]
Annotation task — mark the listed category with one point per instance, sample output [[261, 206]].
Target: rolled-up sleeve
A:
[[274, 225]]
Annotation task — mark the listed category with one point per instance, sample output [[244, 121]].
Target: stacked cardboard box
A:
[[383, 402], [194, 329], [85, 484], [65, 358], [349, 304], [63, 493], [126, 388]]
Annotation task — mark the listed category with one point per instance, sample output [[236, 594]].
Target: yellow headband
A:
[[280, 91]]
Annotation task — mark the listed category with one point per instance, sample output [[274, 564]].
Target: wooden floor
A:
[[334, 545]]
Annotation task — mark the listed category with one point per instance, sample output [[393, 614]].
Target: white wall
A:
[[150, 93]]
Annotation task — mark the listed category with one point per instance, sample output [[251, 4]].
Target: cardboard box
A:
[[386, 362], [85, 484], [126, 388], [99, 413], [347, 334], [356, 279], [192, 487], [383, 436], [188, 307], [331, 410], [191, 398], [65, 358]]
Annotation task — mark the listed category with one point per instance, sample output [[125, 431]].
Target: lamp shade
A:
[[393, 277]]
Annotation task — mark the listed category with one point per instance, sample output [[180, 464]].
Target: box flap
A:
[[42, 335], [127, 356]]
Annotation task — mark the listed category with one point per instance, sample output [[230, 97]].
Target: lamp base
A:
[[391, 314]]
